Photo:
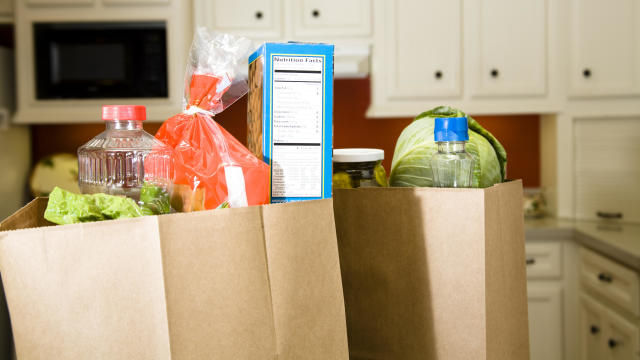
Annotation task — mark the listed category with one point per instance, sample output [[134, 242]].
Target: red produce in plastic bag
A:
[[212, 168]]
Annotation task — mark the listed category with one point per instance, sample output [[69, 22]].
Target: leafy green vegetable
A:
[[155, 200], [411, 164], [65, 207]]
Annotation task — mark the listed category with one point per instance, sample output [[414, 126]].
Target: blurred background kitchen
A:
[[556, 81]]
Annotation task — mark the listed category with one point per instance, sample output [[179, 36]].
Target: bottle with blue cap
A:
[[452, 166]]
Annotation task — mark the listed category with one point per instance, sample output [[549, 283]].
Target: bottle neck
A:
[[123, 124], [451, 146]]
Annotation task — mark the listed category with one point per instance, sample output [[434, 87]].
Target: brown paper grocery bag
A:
[[434, 273], [247, 283]]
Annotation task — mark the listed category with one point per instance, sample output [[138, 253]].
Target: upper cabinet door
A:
[[510, 42], [331, 18], [422, 49], [605, 48], [259, 19]]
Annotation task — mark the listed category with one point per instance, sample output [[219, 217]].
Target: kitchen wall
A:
[[519, 134]]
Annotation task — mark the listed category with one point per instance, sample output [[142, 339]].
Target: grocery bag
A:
[[434, 273], [211, 167], [259, 282]]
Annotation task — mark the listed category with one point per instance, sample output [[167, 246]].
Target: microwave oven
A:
[[100, 60]]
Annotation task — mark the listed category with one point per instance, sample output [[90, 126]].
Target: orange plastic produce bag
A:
[[212, 168]]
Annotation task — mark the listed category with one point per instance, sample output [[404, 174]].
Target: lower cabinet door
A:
[[592, 318], [623, 338], [545, 321]]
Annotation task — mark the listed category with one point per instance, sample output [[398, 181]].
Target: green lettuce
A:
[[65, 207], [411, 164]]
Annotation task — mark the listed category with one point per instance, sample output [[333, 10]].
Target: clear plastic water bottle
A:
[[124, 158], [452, 166]]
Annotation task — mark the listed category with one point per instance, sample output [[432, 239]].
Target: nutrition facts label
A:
[[297, 126]]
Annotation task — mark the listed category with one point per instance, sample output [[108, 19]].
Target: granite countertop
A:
[[619, 241]]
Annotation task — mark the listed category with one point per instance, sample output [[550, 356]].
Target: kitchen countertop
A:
[[618, 241]]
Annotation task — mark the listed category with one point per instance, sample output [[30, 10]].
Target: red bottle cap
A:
[[124, 112]]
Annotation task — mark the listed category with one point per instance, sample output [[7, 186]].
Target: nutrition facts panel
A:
[[297, 116]]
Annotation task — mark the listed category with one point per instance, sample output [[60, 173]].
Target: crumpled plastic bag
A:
[[211, 168]]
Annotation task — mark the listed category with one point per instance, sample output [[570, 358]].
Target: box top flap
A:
[[29, 216]]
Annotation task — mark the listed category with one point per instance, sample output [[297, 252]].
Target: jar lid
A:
[[357, 155], [124, 112], [451, 129]]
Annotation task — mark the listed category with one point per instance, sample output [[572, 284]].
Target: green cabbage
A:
[[65, 207], [411, 164]]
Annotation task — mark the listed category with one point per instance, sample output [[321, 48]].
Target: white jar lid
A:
[[357, 155]]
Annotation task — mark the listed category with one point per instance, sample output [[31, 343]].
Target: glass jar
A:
[[452, 165], [126, 160], [354, 168]]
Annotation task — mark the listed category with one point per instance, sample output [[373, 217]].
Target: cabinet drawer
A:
[[610, 280], [544, 260]]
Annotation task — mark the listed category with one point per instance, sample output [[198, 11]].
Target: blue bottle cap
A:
[[451, 129]]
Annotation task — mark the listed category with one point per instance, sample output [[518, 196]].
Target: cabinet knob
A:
[[315, 13], [612, 343], [494, 73], [438, 74], [259, 15], [531, 261], [605, 278], [586, 72], [594, 329]]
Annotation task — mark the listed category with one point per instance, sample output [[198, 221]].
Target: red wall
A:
[[518, 134]]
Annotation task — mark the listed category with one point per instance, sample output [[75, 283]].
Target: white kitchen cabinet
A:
[[420, 61], [485, 56], [259, 19], [552, 295], [605, 334], [509, 51], [331, 18], [591, 328], [545, 321], [604, 48], [606, 168], [623, 337]]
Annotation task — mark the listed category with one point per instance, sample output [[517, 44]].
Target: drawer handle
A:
[[605, 278], [594, 329], [315, 13], [494, 73], [586, 73], [438, 74], [531, 261], [609, 215], [612, 343], [259, 15]]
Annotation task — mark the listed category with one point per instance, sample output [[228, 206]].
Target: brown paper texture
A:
[[433, 273], [247, 283]]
